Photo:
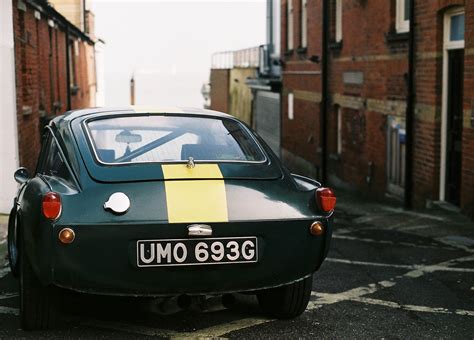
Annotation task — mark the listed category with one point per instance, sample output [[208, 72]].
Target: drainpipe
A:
[[132, 90], [270, 23], [84, 27], [270, 45], [410, 112], [68, 73], [324, 89]]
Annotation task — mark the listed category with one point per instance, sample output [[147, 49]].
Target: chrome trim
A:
[[248, 131], [190, 164], [199, 230]]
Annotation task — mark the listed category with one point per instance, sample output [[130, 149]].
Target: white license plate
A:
[[200, 251]]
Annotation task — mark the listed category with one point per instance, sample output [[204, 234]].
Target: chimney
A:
[[132, 91]]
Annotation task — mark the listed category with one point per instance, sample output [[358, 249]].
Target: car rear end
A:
[[133, 256], [192, 221]]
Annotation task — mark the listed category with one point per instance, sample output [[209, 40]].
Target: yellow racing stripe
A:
[[195, 194]]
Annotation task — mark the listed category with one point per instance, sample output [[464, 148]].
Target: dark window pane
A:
[[406, 15], [457, 28], [53, 164]]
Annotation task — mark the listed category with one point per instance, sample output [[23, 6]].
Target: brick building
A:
[[228, 89], [367, 87], [47, 67], [53, 61]]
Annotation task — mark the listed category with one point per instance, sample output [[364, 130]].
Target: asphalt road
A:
[[389, 274]]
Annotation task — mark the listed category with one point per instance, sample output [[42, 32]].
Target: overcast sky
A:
[[168, 45]]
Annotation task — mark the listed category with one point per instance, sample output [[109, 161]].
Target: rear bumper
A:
[[102, 259]]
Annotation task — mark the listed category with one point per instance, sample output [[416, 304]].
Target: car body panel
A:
[[109, 266]]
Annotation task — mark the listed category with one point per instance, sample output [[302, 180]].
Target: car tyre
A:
[[288, 301], [12, 246], [38, 303]]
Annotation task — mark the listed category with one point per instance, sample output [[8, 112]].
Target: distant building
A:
[[368, 82], [266, 86], [49, 67], [246, 83], [75, 11], [229, 73]]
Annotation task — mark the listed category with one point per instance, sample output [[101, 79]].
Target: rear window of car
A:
[[156, 138]]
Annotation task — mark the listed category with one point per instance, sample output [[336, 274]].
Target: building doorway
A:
[[454, 125], [452, 110]]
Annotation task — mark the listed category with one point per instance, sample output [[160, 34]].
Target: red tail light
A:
[[326, 199], [51, 205]]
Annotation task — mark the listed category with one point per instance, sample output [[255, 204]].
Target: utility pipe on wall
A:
[[324, 89], [68, 69], [409, 121]]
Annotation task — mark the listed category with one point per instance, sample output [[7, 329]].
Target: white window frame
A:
[[289, 23], [339, 131], [338, 20], [447, 46], [304, 23], [401, 24], [291, 105]]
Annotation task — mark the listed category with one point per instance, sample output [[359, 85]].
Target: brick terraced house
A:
[[48, 67], [392, 84]]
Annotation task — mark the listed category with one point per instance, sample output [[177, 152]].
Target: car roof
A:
[[106, 111]]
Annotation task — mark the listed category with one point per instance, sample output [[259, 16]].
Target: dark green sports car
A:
[[164, 204]]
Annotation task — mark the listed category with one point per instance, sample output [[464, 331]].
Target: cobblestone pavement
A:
[[390, 273]]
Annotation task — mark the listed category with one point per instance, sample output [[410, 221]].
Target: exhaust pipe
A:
[[216, 303], [170, 305], [228, 300]]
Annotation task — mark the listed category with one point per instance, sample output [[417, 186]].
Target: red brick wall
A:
[[364, 49], [300, 136], [467, 194], [429, 78], [373, 48], [40, 80], [220, 90]]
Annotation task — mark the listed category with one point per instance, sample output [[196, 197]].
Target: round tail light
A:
[[51, 205], [326, 199]]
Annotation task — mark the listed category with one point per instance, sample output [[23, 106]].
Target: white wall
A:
[[8, 124]]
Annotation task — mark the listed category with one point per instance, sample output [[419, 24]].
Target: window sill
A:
[[394, 37], [335, 45], [301, 50], [74, 89]]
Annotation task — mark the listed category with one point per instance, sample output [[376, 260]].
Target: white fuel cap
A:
[[118, 202]]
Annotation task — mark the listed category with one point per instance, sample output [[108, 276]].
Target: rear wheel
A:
[[12, 242], [38, 303], [288, 301]]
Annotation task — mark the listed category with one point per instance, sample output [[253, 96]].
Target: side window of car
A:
[[45, 144], [51, 162]]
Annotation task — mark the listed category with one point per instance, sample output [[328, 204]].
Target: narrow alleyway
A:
[[390, 273]]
